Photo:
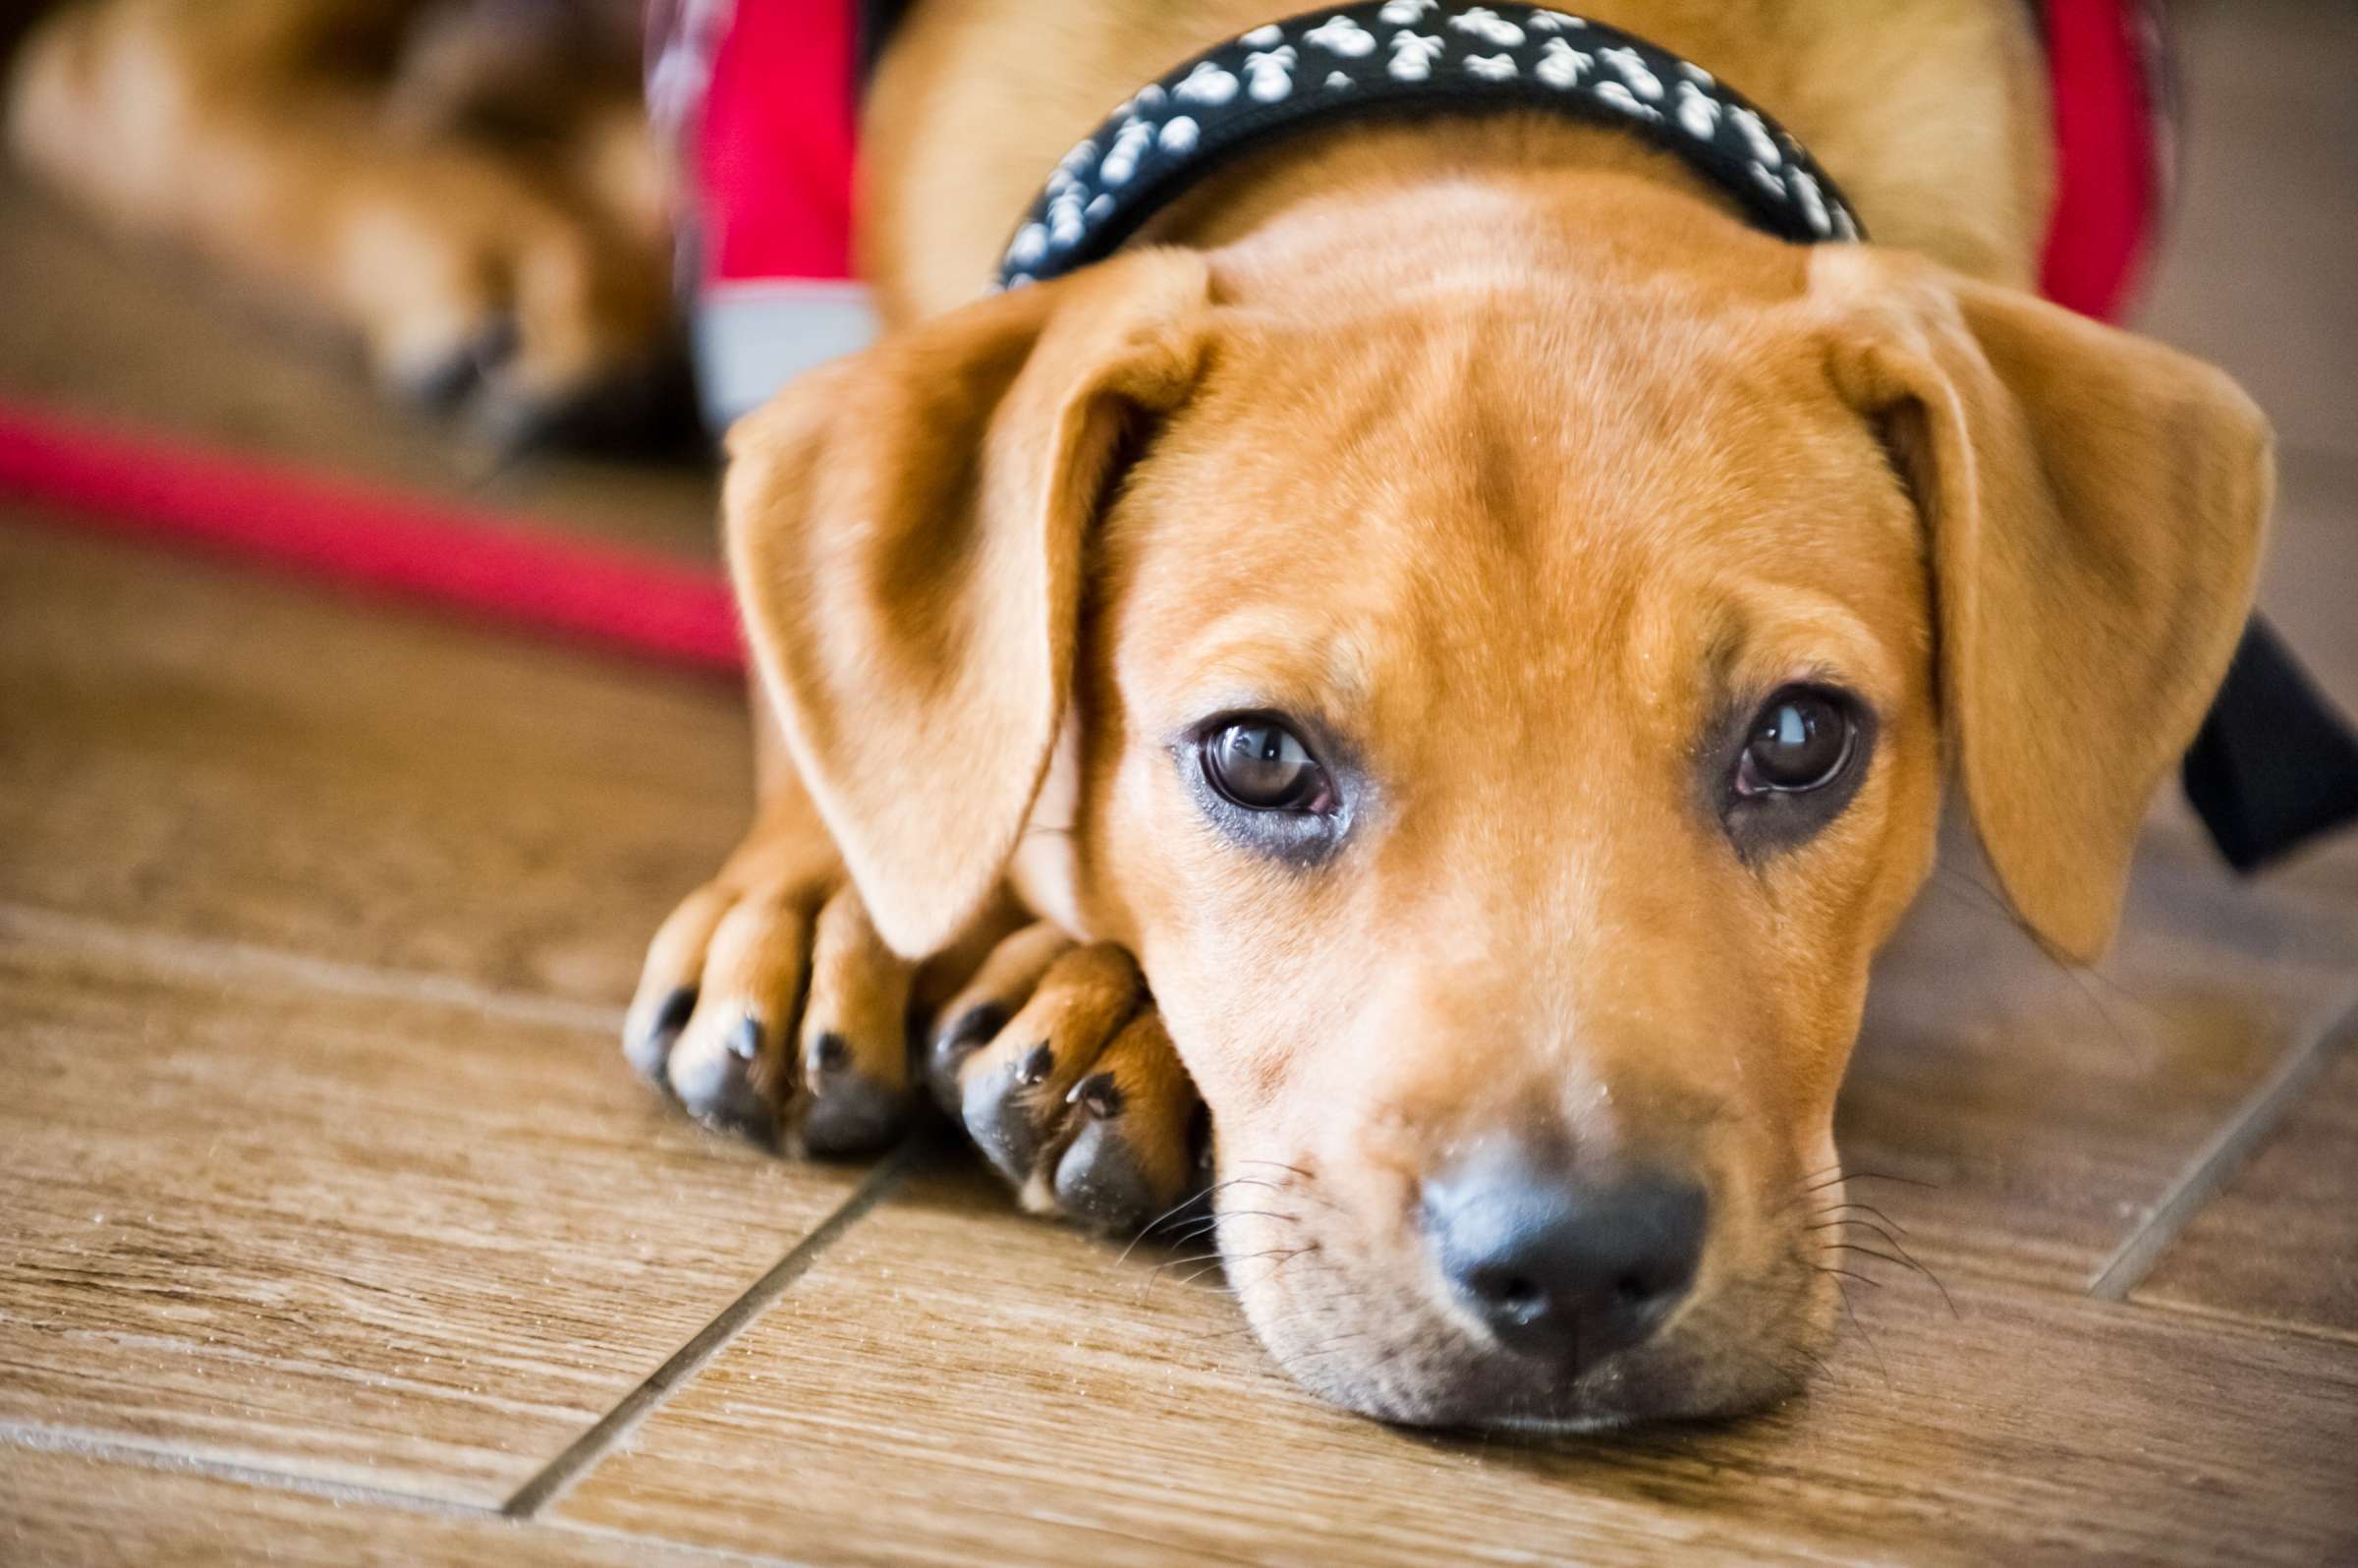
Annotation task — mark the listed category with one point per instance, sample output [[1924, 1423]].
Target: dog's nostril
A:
[[1516, 1296], [1558, 1268]]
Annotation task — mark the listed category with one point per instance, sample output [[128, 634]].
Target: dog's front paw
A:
[[1057, 1062], [771, 1008]]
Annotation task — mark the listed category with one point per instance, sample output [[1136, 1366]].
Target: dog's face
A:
[[1505, 719], [1504, 776]]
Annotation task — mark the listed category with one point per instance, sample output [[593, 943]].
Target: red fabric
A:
[[2108, 154], [774, 149], [481, 562]]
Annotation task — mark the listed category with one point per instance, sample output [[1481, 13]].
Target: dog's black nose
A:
[[1558, 1268]]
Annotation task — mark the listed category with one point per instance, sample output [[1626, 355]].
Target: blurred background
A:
[[2257, 273]]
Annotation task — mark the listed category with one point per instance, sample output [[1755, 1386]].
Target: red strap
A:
[[774, 152], [2108, 163], [484, 563]]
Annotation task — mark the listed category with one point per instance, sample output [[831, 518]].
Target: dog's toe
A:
[[781, 1025], [855, 1038], [1012, 1091], [731, 1065], [1075, 1097], [979, 1012], [666, 997], [736, 1087], [1132, 1120]]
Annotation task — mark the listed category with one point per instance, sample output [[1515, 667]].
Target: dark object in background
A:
[[2272, 765]]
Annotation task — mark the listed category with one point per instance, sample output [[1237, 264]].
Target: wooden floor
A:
[[338, 1232]]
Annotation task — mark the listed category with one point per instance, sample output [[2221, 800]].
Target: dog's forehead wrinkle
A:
[[1281, 650], [1440, 446]]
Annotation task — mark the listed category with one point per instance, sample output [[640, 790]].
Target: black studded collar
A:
[[1403, 57]]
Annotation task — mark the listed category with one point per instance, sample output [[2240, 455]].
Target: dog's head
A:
[[1504, 710]]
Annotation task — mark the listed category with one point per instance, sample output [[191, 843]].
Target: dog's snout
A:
[[1560, 1267]]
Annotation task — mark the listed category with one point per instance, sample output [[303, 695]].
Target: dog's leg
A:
[[274, 136], [1057, 1062]]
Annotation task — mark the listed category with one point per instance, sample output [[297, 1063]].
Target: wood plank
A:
[[2280, 1245], [953, 1383], [383, 1241], [2052, 1109], [74, 1510], [204, 750]]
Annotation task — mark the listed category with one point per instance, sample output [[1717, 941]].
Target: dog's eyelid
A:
[[1741, 696], [1307, 721]]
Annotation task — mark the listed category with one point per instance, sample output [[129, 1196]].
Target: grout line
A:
[[225, 960], [2226, 1151], [85, 1445], [88, 1446], [583, 1452]]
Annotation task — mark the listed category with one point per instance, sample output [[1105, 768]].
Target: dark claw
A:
[[1001, 1121], [644, 409], [830, 1053], [976, 1028], [1036, 1065], [1098, 1094], [747, 1115], [466, 367], [651, 1048]]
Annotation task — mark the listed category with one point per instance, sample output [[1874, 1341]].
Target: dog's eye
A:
[[1261, 766], [1800, 739]]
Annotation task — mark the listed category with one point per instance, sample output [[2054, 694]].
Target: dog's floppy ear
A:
[[906, 529], [2094, 504]]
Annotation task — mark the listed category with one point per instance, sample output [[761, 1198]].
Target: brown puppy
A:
[[1483, 628], [1486, 630]]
